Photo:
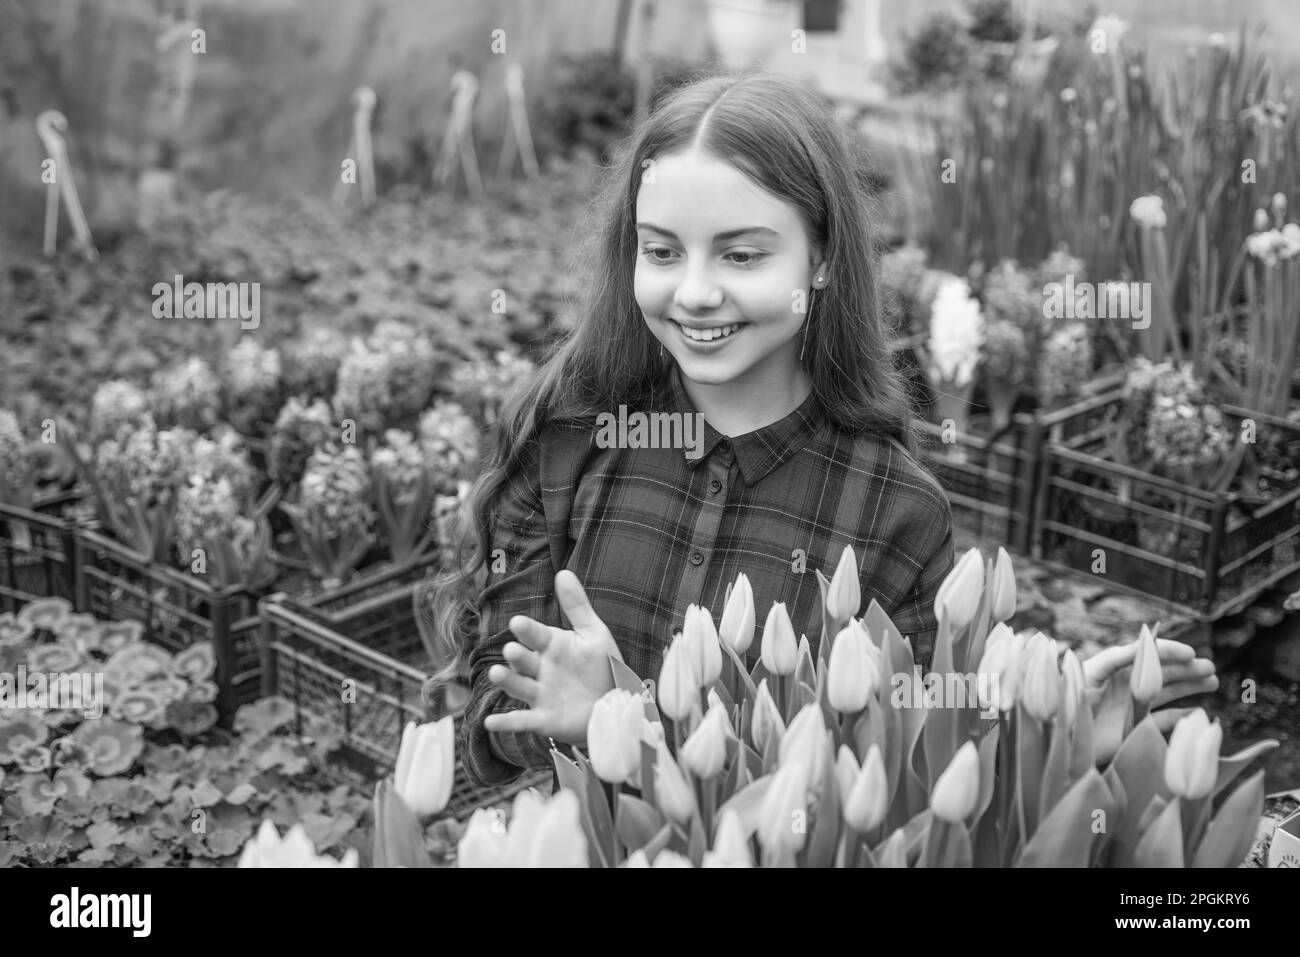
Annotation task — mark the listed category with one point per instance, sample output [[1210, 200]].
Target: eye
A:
[[657, 254], [750, 257]]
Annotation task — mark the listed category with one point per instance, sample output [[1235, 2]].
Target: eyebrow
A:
[[729, 234]]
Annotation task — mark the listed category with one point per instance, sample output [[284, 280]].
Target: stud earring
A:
[[661, 350]]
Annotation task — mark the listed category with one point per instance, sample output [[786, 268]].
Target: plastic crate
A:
[[37, 551], [368, 687], [989, 479], [117, 583], [1206, 555]]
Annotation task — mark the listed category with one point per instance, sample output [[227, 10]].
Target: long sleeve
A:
[[930, 536], [521, 581]]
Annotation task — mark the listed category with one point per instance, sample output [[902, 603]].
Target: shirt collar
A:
[[758, 452]]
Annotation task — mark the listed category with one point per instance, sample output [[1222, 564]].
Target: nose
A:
[[697, 290]]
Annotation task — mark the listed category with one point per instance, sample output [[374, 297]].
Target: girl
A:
[[734, 277]]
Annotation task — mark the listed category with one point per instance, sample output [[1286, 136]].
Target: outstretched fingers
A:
[[514, 684], [531, 633]]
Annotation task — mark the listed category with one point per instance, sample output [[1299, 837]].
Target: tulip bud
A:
[[484, 841], [637, 859], [958, 787], [999, 669], [1003, 597], [738, 619], [559, 840], [868, 801], [426, 765], [714, 698], [846, 771], [782, 815], [766, 720], [614, 733], [1192, 758], [702, 646], [852, 675], [844, 596], [705, 751], [1040, 692], [1261, 220], [730, 843], [667, 858], [679, 695], [780, 652], [959, 595], [1073, 688], [1279, 207], [295, 849], [673, 793], [806, 741], [1147, 678]]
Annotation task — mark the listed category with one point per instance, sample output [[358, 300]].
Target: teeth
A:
[[708, 335]]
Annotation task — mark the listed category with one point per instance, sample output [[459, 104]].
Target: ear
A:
[[820, 275]]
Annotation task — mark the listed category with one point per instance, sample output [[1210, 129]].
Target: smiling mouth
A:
[[710, 335]]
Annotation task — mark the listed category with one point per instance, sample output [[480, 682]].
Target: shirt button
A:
[[715, 486], [724, 446], [697, 558]]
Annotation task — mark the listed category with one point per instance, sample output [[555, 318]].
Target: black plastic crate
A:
[[37, 550], [369, 687], [1205, 554]]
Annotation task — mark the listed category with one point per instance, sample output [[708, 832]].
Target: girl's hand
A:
[[1106, 675], [559, 674]]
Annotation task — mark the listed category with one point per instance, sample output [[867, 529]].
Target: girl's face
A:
[[723, 258]]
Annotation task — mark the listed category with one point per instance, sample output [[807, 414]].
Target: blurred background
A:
[[321, 149]]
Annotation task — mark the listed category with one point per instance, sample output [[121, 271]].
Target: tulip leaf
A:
[[915, 830], [826, 827], [1056, 769], [698, 842], [648, 757], [572, 777], [626, 679], [1139, 764], [881, 627], [988, 752], [891, 748], [942, 735], [747, 803], [1082, 751], [1031, 753], [1162, 841], [1066, 835], [657, 843], [399, 839], [947, 845], [828, 625], [730, 657], [805, 673], [1233, 765], [598, 810], [638, 822], [1228, 839], [1102, 850]]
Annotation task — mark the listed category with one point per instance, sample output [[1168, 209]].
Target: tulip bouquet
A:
[[1006, 754]]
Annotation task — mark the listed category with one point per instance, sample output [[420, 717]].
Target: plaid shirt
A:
[[649, 531]]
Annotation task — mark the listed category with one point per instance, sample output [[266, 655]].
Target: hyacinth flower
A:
[[187, 395], [252, 386], [17, 476], [217, 539], [956, 338], [404, 489], [333, 516]]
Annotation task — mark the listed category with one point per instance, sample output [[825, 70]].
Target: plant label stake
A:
[[50, 126], [460, 134], [519, 138], [360, 150]]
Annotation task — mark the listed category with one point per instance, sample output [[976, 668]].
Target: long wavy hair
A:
[[781, 135]]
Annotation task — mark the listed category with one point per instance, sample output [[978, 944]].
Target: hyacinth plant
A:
[[387, 379], [252, 386], [310, 364], [956, 336], [1005, 754], [187, 395], [333, 517], [17, 476], [481, 387], [300, 429]]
